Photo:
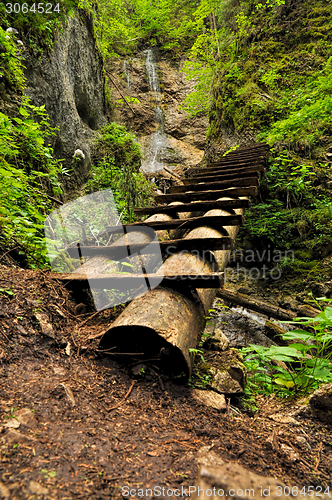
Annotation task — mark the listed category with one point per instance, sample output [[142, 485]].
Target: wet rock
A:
[[238, 483], [210, 398], [322, 398], [229, 373]]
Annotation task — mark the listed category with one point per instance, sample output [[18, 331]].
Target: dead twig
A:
[[124, 399]]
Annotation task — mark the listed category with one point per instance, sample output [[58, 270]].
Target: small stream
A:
[[243, 327], [157, 142]]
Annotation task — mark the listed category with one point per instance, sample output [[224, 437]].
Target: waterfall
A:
[[152, 161]]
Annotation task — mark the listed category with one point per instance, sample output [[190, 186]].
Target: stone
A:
[[322, 398], [289, 452], [37, 488], [234, 481], [229, 373], [4, 491], [219, 341], [45, 325], [208, 458], [284, 419], [26, 417], [303, 443], [211, 399], [16, 437], [69, 80]]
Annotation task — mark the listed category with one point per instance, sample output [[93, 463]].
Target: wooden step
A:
[[171, 246], [254, 147], [122, 282], [238, 159], [215, 221], [250, 181], [201, 206], [231, 165], [220, 178], [207, 195], [238, 171]]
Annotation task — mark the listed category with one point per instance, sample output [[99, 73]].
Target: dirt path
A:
[[69, 442]]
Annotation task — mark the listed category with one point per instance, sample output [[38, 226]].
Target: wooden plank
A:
[[220, 178], [125, 281], [250, 181], [225, 220], [208, 173], [207, 195], [233, 164], [169, 247], [197, 207]]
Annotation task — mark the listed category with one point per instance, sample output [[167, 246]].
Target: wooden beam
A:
[[212, 173], [201, 206], [221, 220], [123, 281], [169, 247], [232, 164], [207, 195], [220, 178], [250, 181]]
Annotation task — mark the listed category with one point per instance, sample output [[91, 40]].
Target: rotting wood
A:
[[199, 206], [267, 309], [255, 305], [207, 195], [199, 185]]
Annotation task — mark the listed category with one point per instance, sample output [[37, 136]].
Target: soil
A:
[[92, 428]]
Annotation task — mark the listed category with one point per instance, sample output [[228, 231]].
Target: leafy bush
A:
[[27, 172], [306, 362], [115, 164]]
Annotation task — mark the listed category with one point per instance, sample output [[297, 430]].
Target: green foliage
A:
[[305, 363], [11, 69], [115, 164], [37, 25]]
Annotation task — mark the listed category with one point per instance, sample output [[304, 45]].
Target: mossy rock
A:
[[229, 373]]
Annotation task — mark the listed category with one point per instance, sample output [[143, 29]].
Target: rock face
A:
[[70, 82]]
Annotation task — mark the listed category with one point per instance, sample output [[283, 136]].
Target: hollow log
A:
[[165, 324]]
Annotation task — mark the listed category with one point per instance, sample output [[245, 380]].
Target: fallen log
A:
[[266, 308], [256, 305]]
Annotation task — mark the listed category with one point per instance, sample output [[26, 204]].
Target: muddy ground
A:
[[76, 425]]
